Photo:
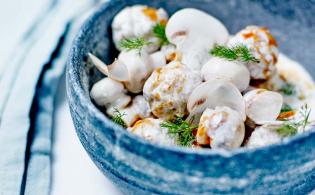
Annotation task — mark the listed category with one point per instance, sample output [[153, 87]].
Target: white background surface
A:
[[73, 172]]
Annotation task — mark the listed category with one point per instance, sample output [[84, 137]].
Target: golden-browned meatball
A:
[[168, 89], [263, 46]]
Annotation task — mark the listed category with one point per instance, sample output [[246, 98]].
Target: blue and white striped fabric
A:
[[34, 45]]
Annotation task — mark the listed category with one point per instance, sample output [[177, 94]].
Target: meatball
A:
[[138, 21], [221, 127], [150, 130], [263, 46], [168, 88]]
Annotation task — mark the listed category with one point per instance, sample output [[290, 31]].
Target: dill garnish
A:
[[291, 127], [117, 118], [182, 130], [239, 52], [159, 32], [288, 89], [305, 112], [136, 43]]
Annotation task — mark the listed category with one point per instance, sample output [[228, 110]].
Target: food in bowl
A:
[[185, 81]]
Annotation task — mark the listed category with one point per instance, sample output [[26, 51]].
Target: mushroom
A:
[[137, 110], [139, 69], [215, 93], [168, 88], [131, 68], [158, 59], [117, 70], [218, 68], [150, 129], [194, 33], [263, 105], [170, 53], [264, 135], [138, 21], [108, 92], [263, 47], [221, 127]]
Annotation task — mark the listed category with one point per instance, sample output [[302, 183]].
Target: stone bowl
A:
[[139, 167]]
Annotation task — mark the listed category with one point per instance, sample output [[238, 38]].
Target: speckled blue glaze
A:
[[139, 167]]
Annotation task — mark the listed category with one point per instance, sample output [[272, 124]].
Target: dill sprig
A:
[[159, 32], [136, 43], [305, 112], [288, 89], [117, 118], [238, 52], [291, 127], [182, 130]]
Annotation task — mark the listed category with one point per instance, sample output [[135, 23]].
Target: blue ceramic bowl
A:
[[139, 167]]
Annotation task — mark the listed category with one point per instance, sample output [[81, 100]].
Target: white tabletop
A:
[[73, 172]]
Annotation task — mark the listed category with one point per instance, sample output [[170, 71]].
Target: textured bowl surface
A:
[[139, 167]]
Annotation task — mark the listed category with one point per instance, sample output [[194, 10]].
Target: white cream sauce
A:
[[304, 84]]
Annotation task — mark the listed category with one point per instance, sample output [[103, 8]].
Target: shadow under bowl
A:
[[139, 167]]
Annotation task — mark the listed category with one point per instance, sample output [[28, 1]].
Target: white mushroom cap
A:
[[131, 68], [117, 70], [158, 59], [170, 53], [151, 130], [263, 105], [215, 93], [139, 69], [109, 92], [221, 127], [137, 110], [263, 46], [218, 68], [168, 88], [138, 21], [194, 32], [263, 136]]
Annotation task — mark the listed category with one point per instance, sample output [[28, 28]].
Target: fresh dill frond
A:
[[136, 43], [305, 113], [181, 129], [159, 32], [288, 89], [239, 52], [223, 52], [286, 108], [117, 118], [243, 52], [291, 127]]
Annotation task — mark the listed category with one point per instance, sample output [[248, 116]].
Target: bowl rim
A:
[[86, 103]]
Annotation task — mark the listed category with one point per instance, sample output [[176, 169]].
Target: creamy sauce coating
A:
[[296, 74]]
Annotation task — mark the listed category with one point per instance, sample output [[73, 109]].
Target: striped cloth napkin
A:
[[35, 42]]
